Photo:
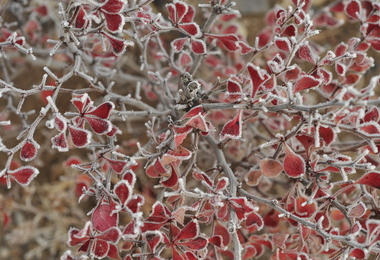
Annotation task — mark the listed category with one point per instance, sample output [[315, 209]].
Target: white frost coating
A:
[[264, 108], [8, 122]]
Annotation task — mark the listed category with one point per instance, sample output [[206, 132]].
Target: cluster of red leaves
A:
[[286, 113]]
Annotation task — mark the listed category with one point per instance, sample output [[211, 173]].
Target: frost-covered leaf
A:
[[233, 128], [307, 53], [270, 167], [305, 82], [258, 77], [123, 191], [59, 142], [353, 9], [80, 137], [229, 41], [191, 28], [29, 150], [198, 46], [103, 218], [371, 179], [178, 44], [283, 43], [294, 165], [23, 175], [118, 45], [102, 111]]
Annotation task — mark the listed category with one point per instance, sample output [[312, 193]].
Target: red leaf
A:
[[180, 153], [194, 112], [189, 16], [307, 54], [357, 211], [234, 90], [305, 82], [293, 74], [102, 111], [252, 178], [249, 252], [123, 191], [98, 125], [81, 20], [371, 179], [114, 22], [77, 236], [373, 19], [279, 239], [191, 28], [181, 134], [241, 206], [353, 9], [202, 177], [118, 45], [374, 38], [103, 218], [258, 77], [325, 75], [370, 128], [232, 129], [372, 115], [222, 213], [307, 141], [60, 123], [181, 9], [302, 208], [265, 37], [294, 165], [198, 122], [327, 133], [220, 230], [111, 235], [99, 248], [222, 184], [270, 168], [198, 243], [172, 13], [283, 43], [113, 252], [156, 169], [29, 150], [60, 142], [290, 30], [191, 230], [244, 48], [116, 165], [112, 6], [230, 41], [216, 240], [23, 175], [340, 68], [135, 203], [184, 59], [81, 102], [114, 130], [358, 253], [198, 46], [80, 137], [153, 239], [172, 180], [178, 44], [254, 219]]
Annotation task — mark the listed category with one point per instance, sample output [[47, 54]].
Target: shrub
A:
[[181, 138]]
